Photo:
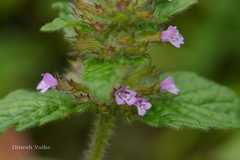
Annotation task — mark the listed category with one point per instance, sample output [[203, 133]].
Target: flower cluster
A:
[[125, 96]]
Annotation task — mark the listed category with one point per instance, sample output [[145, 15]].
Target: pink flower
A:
[[125, 96], [142, 105], [168, 85], [48, 81], [172, 36]]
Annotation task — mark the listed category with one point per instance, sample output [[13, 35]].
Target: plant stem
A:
[[99, 140]]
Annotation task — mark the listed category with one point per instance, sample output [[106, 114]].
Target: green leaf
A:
[[164, 10], [101, 76], [55, 25], [25, 109], [66, 21], [201, 104], [62, 7]]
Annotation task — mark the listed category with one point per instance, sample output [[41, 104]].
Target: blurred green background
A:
[[212, 32]]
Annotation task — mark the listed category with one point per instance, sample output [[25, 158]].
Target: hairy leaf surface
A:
[[25, 109], [201, 104]]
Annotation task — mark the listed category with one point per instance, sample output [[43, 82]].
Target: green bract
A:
[[101, 76]]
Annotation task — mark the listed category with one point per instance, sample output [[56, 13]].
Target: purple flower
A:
[[125, 96], [48, 81], [142, 105], [168, 85], [173, 36]]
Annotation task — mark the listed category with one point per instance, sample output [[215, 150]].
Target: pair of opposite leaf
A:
[[123, 95]]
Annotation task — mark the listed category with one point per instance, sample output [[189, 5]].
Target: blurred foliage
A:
[[10, 6], [211, 29]]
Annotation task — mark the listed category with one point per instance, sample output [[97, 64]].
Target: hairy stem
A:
[[99, 140]]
